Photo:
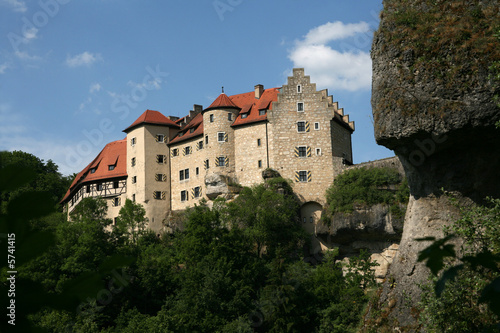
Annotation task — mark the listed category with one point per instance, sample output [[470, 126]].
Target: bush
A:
[[366, 186]]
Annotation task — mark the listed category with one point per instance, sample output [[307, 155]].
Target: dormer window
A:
[[191, 130], [262, 112], [244, 115], [181, 134], [111, 167], [92, 170]]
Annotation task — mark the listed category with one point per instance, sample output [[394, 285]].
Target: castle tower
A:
[[219, 136], [148, 165]]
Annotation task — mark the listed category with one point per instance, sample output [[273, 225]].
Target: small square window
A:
[[302, 176], [157, 195], [160, 138], [134, 179], [221, 137], [191, 130], [316, 126], [111, 167], [197, 192], [211, 118], [262, 112], [221, 161], [302, 150], [160, 159], [160, 177], [175, 152], [244, 115], [301, 126], [92, 170], [187, 150], [300, 106]]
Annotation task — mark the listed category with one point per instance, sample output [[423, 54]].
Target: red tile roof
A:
[[222, 102], [196, 123], [251, 105], [114, 153], [151, 117]]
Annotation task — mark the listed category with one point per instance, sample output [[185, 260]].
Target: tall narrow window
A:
[[211, 118], [258, 142], [229, 116], [206, 139], [221, 137], [184, 195], [299, 88], [132, 161], [160, 138]]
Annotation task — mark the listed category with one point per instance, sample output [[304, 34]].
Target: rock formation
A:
[[434, 104]]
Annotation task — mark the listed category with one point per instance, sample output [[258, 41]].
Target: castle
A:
[[170, 163]]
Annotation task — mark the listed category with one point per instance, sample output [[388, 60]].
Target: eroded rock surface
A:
[[434, 104]]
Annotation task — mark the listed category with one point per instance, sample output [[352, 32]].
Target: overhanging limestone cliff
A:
[[434, 104]]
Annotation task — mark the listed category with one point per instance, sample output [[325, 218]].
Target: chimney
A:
[[259, 89]]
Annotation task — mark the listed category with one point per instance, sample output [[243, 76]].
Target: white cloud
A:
[[343, 70], [30, 34], [16, 5], [83, 59], [26, 56], [3, 67], [95, 87]]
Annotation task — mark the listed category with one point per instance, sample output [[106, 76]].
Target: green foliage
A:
[[366, 186], [474, 280], [131, 221]]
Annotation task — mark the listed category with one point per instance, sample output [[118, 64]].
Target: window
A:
[[160, 177], [133, 197], [300, 106], [301, 126], [134, 179], [318, 151], [87, 188], [197, 171], [99, 187], [184, 195], [244, 115], [132, 161], [191, 130], [160, 138], [175, 152], [133, 141], [116, 202], [260, 163], [206, 139], [197, 192], [301, 151], [229, 116], [311, 219], [116, 184], [262, 112], [160, 159], [158, 195], [184, 174], [188, 150], [200, 145], [207, 164], [111, 167], [211, 118], [304, 219], [221, 161], [92, 170], [302, 176], [258, 142], [299, 88], [221, 137]]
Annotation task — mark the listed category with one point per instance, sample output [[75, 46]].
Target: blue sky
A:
[[74, 74]]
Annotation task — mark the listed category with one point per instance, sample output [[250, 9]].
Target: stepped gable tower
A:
[[148, 165]]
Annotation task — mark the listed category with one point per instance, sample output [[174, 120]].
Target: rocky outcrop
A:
[[219, 185], [434, 104]]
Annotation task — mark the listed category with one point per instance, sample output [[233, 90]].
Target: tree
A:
[[132, 220]]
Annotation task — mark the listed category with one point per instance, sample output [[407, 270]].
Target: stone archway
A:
[[310, 217]]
